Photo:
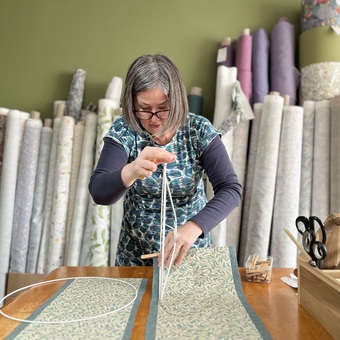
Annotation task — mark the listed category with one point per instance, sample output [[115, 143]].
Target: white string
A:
[[166, 188], [66, 321]]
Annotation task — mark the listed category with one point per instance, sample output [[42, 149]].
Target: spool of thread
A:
[[225, 53], [195, 100]]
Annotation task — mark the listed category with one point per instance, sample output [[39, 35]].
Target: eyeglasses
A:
[[145, 115]]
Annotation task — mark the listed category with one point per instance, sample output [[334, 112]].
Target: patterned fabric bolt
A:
[[141, 221]]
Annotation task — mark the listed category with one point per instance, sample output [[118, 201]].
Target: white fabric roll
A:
[[305, 204], [254, 136], [287, 190], [335, 156], [39, 199], [114, 90], [95, 249], [226, 78], [45, 237], [27, 171], [82, 194], [55, 256], [262, 199], [14, 131], [78, 140], [321, 160]]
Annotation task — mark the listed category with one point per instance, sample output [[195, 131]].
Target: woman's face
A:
[[153, 100]]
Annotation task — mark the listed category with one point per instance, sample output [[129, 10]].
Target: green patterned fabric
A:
[[203, 299], [84, 298]]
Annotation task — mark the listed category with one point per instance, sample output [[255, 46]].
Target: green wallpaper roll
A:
[[317, 45]]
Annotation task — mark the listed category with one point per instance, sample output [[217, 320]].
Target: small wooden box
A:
[[319, 294]]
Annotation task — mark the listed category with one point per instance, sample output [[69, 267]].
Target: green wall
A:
[[44, 41]]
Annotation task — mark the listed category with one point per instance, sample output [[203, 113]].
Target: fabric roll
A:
[[27, 171], [307, 159], [260, 65], [239, 161], [287, 190], [82, 194], [39, 199], [321, 160], [195, 100], [76, 94], [14, 131], [114, 89], [253, 141], [61, 191], [225, 53], [243, 62], [320, 81], [319, 13], [3, 116], [45, 236], [262, 199], [59, 107], [319, 45], [78, 140], [335, 156], [284, 76], [96, 239], [225, 82]]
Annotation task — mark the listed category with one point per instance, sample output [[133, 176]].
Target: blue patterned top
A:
[[142, 204]]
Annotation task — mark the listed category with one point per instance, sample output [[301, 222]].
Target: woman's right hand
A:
[[145, 164]]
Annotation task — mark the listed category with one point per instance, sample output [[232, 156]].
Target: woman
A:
[[156, 128]]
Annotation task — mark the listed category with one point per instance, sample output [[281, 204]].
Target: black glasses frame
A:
[[136, 112]]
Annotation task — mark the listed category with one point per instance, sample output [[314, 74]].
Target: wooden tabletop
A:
[[275, 303]]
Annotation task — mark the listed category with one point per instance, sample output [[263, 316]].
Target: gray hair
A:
[[148, 72]]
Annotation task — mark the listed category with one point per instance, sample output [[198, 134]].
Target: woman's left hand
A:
[[186, 236]]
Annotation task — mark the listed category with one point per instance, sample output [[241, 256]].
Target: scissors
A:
[[315, 249]]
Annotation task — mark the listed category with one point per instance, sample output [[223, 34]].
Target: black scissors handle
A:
[[302, 224], [316, 219]]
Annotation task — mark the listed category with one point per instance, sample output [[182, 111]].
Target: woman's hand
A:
[[186, 236], [145, 164]]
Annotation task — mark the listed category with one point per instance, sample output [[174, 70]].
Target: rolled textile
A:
[[287, 189], [27, 171], [321, 160], [262, 199], [14, 131], [319, 13], [284, 76], [305, 204], [225, 53], [82, 193], [55, 256], [252, 149], [46, 226], [76, 94], [96, 238], [320, 81], [260, 65], [37, 218], [319, 45], [335, 155], [3, 115], [59, 107], [225, 82], [114, 89], [195, 100], [243, 62], [78, 140]]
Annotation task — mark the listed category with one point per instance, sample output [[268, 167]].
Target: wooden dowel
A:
[[291, 236], [149, 256]]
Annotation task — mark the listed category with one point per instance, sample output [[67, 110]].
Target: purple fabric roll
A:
[[260, 65], [243, 63], [225, 55], [284, 76]]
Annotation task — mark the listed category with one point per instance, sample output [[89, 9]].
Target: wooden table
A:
[[275, 303]]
